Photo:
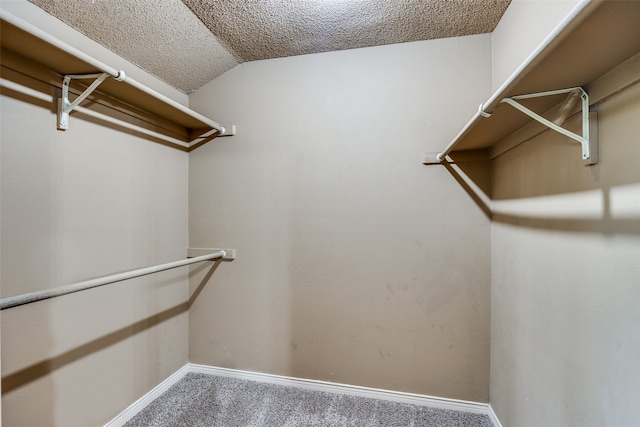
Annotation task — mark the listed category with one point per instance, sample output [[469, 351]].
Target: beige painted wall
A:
[[77, 205], [356, 263], [524, 25], [566, 278]]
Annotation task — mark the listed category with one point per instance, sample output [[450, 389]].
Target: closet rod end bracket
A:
[[227, 131]]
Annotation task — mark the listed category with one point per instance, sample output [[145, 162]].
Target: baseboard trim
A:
[[153, 394], [493, 417], [316, 385], [346, 389]]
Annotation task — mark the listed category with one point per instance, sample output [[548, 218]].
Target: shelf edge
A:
[[102, 67], [574, 18]]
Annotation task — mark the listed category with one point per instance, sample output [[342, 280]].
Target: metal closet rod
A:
[[117, 74], [100, 281]]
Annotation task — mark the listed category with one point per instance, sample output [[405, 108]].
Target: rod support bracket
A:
[[588, 138], [65, 106]]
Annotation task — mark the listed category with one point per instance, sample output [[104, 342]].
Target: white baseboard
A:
[[325, 386], [351, 390], [493, 417], [142, 403]]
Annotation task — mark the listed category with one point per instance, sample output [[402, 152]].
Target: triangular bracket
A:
[[65, 107], [586, 140]]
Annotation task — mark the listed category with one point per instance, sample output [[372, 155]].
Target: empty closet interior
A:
[[453, 220]]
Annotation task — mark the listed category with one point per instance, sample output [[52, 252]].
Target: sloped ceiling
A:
[[189, 43]]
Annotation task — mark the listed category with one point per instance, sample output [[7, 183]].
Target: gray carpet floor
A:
[[209, 400]]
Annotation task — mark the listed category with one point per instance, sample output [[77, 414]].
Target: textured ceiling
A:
[[188, 43], [278, 28]]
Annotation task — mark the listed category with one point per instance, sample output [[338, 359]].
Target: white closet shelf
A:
[[30, 51], [595, 38]]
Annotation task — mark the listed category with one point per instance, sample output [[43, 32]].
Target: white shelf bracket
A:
[[588, 139], [65, 107]]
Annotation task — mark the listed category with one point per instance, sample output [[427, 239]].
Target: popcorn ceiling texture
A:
[[189, 43], [277, 28]]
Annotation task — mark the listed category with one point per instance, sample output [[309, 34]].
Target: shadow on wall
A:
[[41, 369], [472, 170], [543, 184]]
